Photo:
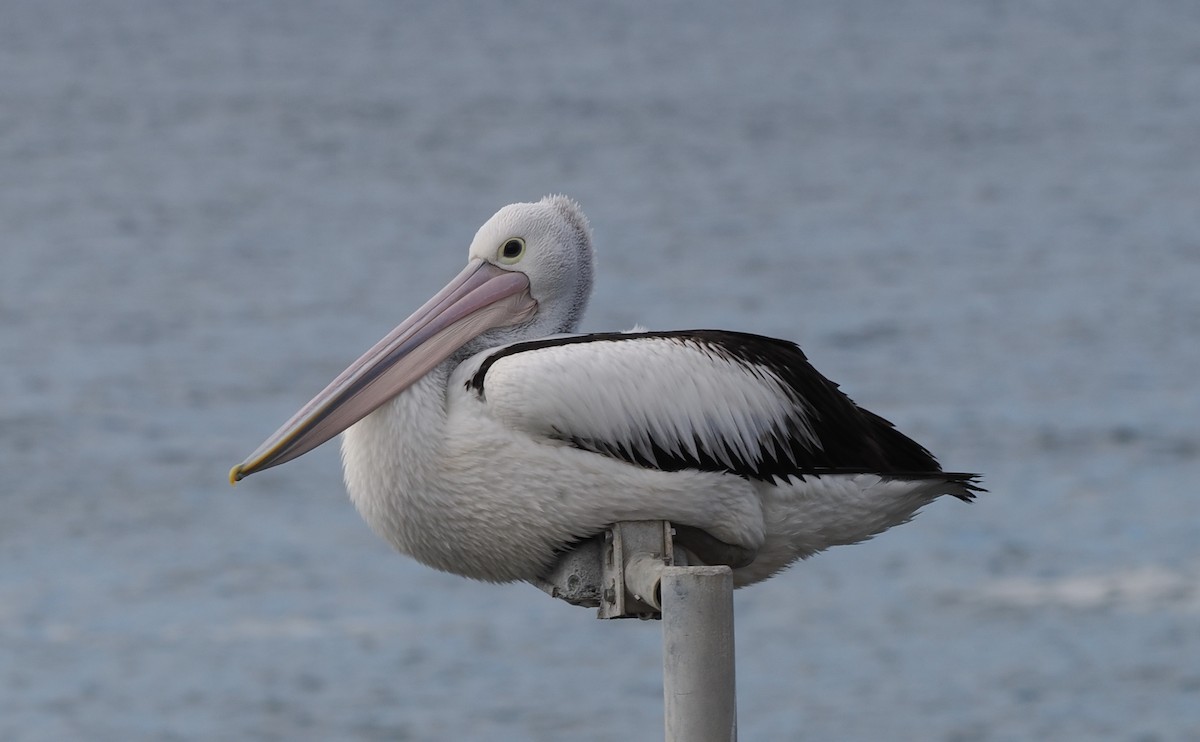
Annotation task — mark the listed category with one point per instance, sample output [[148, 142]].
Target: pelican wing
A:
[[705, 399]]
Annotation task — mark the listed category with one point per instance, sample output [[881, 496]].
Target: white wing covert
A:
[[710, 400]]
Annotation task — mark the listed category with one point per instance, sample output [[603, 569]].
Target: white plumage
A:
[[491, 441], [634, 390]]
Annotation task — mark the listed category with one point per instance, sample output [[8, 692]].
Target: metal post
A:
[[698, 658], [631, 572]]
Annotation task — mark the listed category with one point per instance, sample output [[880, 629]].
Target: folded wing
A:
[[703, 399]]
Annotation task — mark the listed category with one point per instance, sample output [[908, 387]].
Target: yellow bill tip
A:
[[235, 474]]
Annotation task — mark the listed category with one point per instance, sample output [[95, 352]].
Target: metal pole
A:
[[698, 659], [631, 572]]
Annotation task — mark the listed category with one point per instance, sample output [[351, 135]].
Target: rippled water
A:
[[980, 218]]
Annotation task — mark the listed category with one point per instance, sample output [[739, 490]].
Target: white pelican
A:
[[483, 441]]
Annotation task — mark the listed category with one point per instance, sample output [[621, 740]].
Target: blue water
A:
[[980, 218]]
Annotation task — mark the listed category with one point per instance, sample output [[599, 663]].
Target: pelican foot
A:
[[710, 550]]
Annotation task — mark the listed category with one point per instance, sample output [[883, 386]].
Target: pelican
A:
[[483, 437]]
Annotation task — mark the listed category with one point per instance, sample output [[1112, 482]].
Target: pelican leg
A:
[[710, 550]]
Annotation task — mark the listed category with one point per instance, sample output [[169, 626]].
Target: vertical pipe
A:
[[698, 660]]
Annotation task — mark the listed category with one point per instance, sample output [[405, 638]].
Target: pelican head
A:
[[550, 243], [529, 274]]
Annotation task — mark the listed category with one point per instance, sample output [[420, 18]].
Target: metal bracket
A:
[[634, 556], [618, 573]]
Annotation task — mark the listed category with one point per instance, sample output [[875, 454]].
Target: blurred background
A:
[[981, 218]]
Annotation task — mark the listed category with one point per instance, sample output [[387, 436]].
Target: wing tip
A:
[[963, 485]]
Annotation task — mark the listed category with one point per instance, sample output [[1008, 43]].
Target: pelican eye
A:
[[512, 250]]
